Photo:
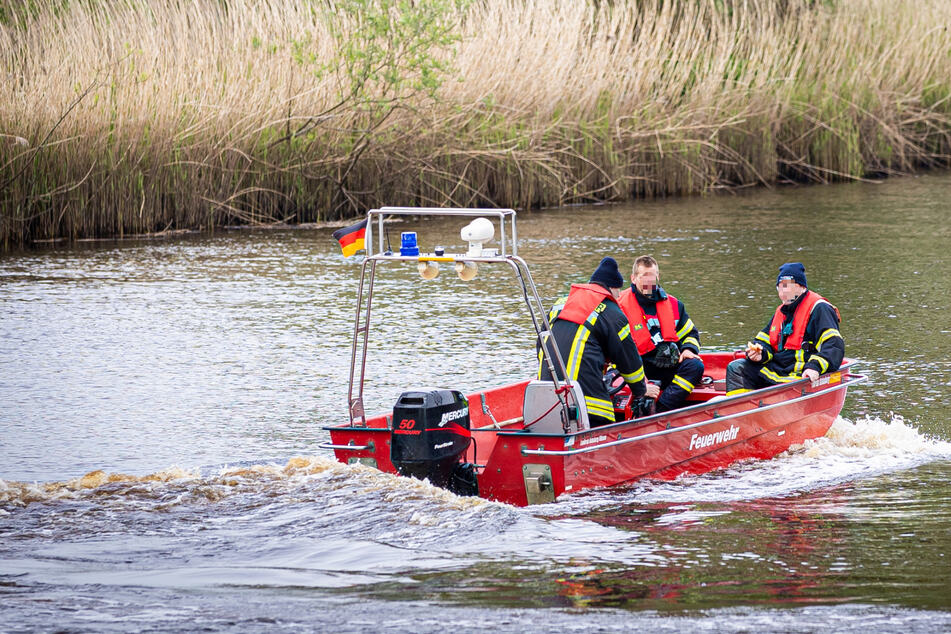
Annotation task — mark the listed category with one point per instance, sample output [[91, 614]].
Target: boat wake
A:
[[342, 524], [177, 486], [311, 521], [851, 450]]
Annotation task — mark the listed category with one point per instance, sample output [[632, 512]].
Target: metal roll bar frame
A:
[[507, 253]]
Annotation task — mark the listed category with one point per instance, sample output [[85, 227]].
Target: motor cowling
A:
[[429, 437]]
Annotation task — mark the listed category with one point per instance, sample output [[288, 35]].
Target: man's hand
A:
[[653, 391], [754, 351], [687, 354], [810, 374]]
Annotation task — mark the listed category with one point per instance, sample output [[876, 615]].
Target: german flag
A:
[[351, 238]]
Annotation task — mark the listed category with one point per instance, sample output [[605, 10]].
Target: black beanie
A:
[[607, 274], [794, 271]]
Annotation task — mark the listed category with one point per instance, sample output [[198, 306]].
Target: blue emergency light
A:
[[408, 243]]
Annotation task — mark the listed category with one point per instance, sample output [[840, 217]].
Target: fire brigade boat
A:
[[530, 441]]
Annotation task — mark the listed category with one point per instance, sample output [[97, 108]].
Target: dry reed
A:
[[132, 117]]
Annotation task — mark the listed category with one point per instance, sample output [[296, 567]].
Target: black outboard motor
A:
[[430, 435]]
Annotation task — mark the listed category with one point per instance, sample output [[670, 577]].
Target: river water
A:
[[161, 403]]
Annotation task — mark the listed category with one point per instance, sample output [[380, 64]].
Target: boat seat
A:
[[541, 404]]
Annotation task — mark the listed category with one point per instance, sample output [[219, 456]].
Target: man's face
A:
[[788, 291], [645, 279]]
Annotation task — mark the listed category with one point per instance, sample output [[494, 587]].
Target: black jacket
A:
[[822, 346], [605, 337]]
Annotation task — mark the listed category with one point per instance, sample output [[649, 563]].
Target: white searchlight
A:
[[475, 233], [428, 270]]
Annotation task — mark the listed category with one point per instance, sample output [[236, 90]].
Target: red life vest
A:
[[668, 313], [582, 300], [800, 321]]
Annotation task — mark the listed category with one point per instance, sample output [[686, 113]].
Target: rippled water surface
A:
[[161, 404]]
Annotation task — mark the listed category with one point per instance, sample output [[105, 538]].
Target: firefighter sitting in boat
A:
[[666, 337], [802, 339], [591, 331]]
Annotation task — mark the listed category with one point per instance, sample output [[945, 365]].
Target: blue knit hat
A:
[[794, 271], [608, 274]]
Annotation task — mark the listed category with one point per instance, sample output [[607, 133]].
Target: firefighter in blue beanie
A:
[[801, 340], [591, 331]]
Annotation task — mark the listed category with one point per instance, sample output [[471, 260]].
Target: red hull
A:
[[520, 467]]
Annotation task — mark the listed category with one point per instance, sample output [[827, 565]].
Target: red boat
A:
[[529, 442]]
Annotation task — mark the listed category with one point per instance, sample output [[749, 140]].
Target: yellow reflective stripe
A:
[[826, 335], [823, 364], [594, 401], [739, 390], [600, 411], [540, 359], [776, 377], [692, 340], [593, 317], [682, 383], [635, 376], [599, 417], [624, 332], [687, 327], [762, 336], [599, 407], [800, 362], [577, 350], [557, 308]]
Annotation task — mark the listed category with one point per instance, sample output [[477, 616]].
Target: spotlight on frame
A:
[[466, 270], [428, 270]]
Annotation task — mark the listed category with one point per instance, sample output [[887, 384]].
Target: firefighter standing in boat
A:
[[666, 337], [591, 331], [802, 339]]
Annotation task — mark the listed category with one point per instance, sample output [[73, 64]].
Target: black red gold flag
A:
[[351, 238]]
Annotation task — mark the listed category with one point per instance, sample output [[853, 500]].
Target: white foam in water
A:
[[408, 513], [869, 436], [867, 447]]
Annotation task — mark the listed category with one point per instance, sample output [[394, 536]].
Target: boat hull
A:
[[521, 467]]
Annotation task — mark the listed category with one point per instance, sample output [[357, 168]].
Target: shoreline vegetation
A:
[[124, 117]]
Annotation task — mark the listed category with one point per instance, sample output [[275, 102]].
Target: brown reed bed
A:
[[123, 117]]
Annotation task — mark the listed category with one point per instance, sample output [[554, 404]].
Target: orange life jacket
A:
[[799, 323], [668, 313], [582, 300]]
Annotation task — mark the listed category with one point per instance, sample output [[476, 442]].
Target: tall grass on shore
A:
[[124, 117]]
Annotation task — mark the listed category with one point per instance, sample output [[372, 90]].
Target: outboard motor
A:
[[429, 437]]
